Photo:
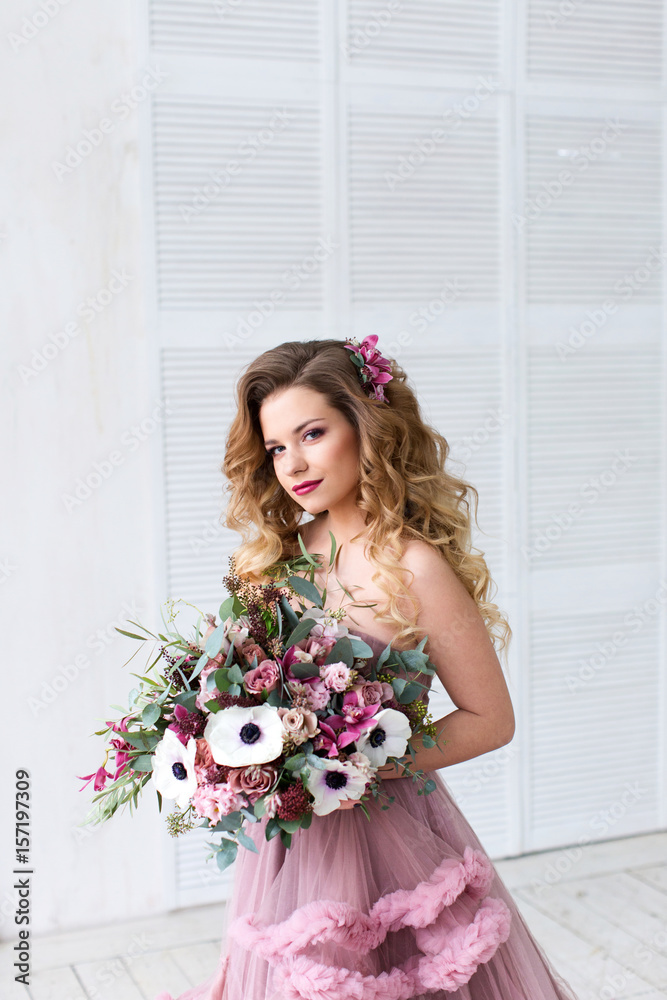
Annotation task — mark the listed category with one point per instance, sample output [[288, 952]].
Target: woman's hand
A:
[[390, 770]]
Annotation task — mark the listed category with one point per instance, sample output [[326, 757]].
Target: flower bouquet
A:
[[264, 713]]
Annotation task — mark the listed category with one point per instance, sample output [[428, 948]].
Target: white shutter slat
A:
[[618, 41], [223, 240], [254, 28], [459, 36]]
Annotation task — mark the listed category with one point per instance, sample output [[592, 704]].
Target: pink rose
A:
[[299, 724], [214, 801], [250, 650], [336, 676], [204, 757], [372, 692], [265, 677], [254, 780], [316, 693]]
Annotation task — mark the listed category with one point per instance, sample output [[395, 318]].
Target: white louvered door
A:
[[323, 169]]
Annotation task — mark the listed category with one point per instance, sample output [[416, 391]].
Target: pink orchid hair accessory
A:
[[373, 368]]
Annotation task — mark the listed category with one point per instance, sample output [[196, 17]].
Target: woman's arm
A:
[[466, 662]]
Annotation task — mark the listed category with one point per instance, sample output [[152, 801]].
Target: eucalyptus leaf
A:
[[341, 652], [247, 841], [142, 763], [302, 631], [289, 612], [201, 663], [235, 674], [296, 762], [274, 698], [214, 642], [272, 828], [290, 825], [226, 609], [235, 689], [317, 762], [187, 699], [260, 807], [286, 838], [427, 741], [429, 786], [303, 669], [212, 706], [226, 855], [398, 684], [411, 691], [150, 714], [306, 589], [218, 679], [306, 820]]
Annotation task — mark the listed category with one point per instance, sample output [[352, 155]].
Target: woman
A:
[[331, 429]]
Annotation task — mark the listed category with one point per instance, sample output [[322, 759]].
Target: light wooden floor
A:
[[600, 913]]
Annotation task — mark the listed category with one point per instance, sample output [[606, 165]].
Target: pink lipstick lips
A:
[[306, 487]]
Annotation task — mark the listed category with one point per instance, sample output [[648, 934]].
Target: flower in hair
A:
[[374, 369]]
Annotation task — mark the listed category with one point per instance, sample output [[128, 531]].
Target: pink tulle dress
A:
[[405, 907]]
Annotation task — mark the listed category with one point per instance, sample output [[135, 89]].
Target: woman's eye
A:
[[315, 430]]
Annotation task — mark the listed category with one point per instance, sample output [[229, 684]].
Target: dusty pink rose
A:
[[299, 724], [214, 801], [316, 693], [250, 650], [204, 757], [254, 780], [336, 676], [265, 677]]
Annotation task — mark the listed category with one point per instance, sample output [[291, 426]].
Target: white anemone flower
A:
[[174, 768], [388, 737], [341, 780], [240, 736]]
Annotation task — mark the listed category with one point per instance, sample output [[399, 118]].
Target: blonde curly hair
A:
[[402, 469]]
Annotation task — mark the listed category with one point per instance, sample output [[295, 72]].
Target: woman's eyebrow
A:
[[297, 429]]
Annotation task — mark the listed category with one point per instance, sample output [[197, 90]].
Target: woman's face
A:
[[310, 440]]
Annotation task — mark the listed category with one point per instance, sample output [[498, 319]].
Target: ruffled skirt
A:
[[405, 907]]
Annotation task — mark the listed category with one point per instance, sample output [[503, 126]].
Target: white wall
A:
[[70, 399]]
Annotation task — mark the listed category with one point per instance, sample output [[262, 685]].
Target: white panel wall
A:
[[426, 144], [494, 286], [81, 417]]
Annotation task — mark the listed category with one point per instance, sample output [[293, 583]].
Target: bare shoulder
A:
[[430, 569]]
